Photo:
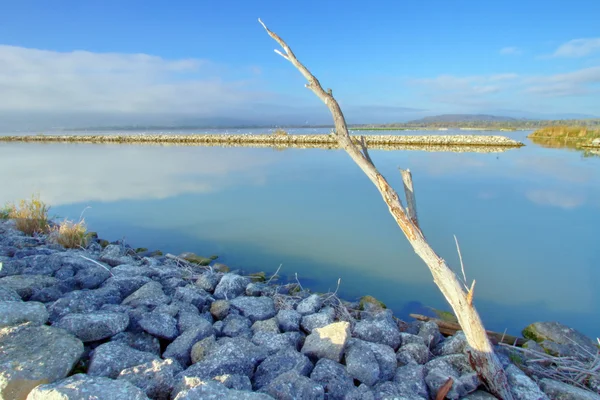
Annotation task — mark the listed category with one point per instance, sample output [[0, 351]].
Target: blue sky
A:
[[386, 61]]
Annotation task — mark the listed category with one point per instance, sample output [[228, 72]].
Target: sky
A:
[[72, 63]]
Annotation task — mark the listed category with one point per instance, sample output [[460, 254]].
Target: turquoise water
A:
[[527, 219]]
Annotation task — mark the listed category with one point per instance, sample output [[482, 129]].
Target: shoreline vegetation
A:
[[138, 322], [278, 138]]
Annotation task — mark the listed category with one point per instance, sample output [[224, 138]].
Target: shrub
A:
[[71, 234], [5, 212], [31, 216], [280, 132]]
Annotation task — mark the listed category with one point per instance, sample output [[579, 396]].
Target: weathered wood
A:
[[482, 356], [450, 328], [409, 192]]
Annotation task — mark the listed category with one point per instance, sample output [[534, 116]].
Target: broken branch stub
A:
[[481, 354]]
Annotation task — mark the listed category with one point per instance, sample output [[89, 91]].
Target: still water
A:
[[527, 219]]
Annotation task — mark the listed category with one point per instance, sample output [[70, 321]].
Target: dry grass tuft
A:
[[31, 216], [71, 235], [280, 132]]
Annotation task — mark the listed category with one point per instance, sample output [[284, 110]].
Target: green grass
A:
[[31, 216]]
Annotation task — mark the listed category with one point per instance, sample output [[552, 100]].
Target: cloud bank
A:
[[578, 48]]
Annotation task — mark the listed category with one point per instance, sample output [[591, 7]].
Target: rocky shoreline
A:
[[116, 323]]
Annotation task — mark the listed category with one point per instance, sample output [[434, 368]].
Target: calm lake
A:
[[527, 220]]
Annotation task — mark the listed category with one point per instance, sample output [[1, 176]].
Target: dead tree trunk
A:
[[482, 356]]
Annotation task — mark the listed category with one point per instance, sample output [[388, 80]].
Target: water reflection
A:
[[526, 219]]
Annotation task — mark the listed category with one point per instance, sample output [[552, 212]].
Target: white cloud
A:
[[510, 51], [81, 81], [578, 48], [555, 198], [580, 82]]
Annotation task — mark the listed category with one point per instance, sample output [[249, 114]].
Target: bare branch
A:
[[462, 265], [363, 145], [409, 191], [482, 356]]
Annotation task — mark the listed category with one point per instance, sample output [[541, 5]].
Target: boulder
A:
[[430, 332], [187, 319], [192, 295], [410, 380], [127, 284], [160, 325], [289, 320], [83, 301], [95, 325], [202, 348], [333, 377], [453, 345], [292, 385], [114, 255], [208, 281], [382, 329], [327, 342], [27, 285], [412, 353], [279, 363], [220, 309], [85, 387], [109, 359], [18, 312], [141, 341], [561, 391], [561, 334], [273, 342], [310, 305], [361, 363], [31, 355], [155, 378], [268, 325], [216, 390], [230, 286], [237, 325], [523, 387], [180, 349], [8, 294], [323, 318], [151, 294], [254, 308]]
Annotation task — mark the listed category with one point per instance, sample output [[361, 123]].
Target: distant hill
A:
[[461, 118]]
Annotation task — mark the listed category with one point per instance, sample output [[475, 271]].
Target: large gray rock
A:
[[160, 325], [289, 320], [254, 308], [327, 342], [192, 295], [323, 318], [410, 380], [109, 359], [141, 341], [333, 377], [27, 285], [95, 325], [362, 392], [8, 294], [236, 382], [126, 270], [180, 349], [91, 276], [382, 329], [453, 345], [523, 387], [236, 325], [561, 391], [283, 361], [127, 284], [155, 378], [208, 281], [480, 395], [18, 312], [202, 390], [413, 352], [430, 333], [231, 356], [310, 305], [386, 359], [187, 319], [407, 338], [291, 385], [85, 387], [561, 334], [231, 286], [455, 366], [219, 309], [361, 363], [31, 355], [202, 348], [391, 390], [83, 301], [114, 255], [268, 325], [151, 294], [274, 342]]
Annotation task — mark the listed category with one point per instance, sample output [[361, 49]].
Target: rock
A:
[[406, 338], [91, 276], [127, 284], [279, 363], [195, 259], [192, 295], [8, 294], [318, 320], [216, 390], [202, 348], [181, 347], [363, 392], [31, 355], [410, 379], [160, 325], [155, 378], [126, 270], [187, 320], [141, 341], [208, 281], [114, 255], [255, 308], [430, 332], [170, 285], [561, 391], [109, 359], [289, 320], [333, 377], [456, 366], [382, 330], [412, 352], [361, 363], [291, 385], [83, 301], [259, 289], [18, 312], [231, 356], [27, 285], [219, 309], [236, 382], [453, 345], [84, 387], [533, 345], [230, 286], [386, 359], [170, 309], [391, 390], [47, 294], [273, 342], [521, 386], [151, 294], [268, 325], [558, 333], [95, 325], [327, 342], [236, 325], [480, 395], [370, 304], [310, 305]]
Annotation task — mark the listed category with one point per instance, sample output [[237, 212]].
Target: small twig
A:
[[275, 274], [334, 294], [97, 263], [299, 284], [462, 265]]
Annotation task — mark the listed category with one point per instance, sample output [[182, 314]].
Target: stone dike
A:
[[109, 322]]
